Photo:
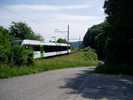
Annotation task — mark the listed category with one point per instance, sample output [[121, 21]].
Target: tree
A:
[[89, 38], [60, 40], [120, 46], [20, 30], [5, 45], [96, 37], [11, 53]]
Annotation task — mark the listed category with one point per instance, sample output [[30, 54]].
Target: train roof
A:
[[35, 42]]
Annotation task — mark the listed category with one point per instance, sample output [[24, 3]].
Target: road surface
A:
[[67, 84]]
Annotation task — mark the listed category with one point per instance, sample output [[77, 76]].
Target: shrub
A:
[[89, 54], [5, 45], [114, 69], [21, 56]]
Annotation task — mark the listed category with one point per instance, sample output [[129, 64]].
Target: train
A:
[[43, 49]]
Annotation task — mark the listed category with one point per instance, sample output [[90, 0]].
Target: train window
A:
[[34, 47], [49, 48], [61, 48], [55, 48]]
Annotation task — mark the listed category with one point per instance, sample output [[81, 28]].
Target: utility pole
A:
[[68, 34], [79, 42], [68, 39]]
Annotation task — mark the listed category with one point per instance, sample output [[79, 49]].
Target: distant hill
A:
[[76, 44]]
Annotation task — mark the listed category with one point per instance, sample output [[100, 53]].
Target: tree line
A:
[[113, 39], [10, 52]]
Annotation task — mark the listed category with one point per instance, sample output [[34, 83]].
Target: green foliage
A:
[[5, 45], [120, 46], [119, 13], [60, 40], [89, 39], [20, 30], [96, 37], [89, 54], [21, 56], [13, 54], [102, 39], [114, 69], [65, 61], [113, 39]]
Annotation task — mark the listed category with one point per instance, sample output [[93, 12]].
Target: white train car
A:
[[42, 49]]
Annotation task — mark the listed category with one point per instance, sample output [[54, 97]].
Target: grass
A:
[[78, 59]]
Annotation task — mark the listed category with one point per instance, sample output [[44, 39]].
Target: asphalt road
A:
[[67, 84]]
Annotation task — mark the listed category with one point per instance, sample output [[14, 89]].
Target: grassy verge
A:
[[77, 59]]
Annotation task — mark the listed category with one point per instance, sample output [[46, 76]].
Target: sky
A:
[[50, 18]]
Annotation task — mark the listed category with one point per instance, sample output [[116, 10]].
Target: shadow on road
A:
[[97, 86]]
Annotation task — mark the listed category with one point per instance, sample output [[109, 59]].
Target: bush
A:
[[12, 54], [89, 54], [21, 56], [114, 69], [5, 45]]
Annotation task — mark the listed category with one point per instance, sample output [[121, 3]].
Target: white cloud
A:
[[76, 17], [45, 7], [78, 25], [44, 19]]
